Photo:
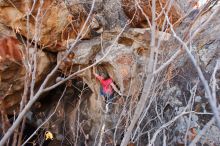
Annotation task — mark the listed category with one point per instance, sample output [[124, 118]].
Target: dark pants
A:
[[108, 97]]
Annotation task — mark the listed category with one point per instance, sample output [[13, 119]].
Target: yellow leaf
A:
[[48, 135]]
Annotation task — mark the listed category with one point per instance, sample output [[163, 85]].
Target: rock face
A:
[[12, 70], [50, 29], [53, 19], [10, 49], [140, 11], [207, 42], [124, 59], [187, 6]]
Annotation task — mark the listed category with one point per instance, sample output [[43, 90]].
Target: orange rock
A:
[[9, 48], [137, 12], [57, 22], [131, 144]]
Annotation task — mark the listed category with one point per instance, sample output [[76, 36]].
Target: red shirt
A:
[[106, 84]]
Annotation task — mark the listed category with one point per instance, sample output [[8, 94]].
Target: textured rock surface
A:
[[12, 70], [207, 42], [55, 21], [81, 112], [139, 10]]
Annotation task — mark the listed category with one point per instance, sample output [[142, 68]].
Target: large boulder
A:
[[207, 42], [124, 59], [12, 70], [140, 11], [50, 23]]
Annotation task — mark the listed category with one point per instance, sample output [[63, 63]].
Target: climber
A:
[[107, 86]]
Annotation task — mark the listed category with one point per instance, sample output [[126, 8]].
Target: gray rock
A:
[[198, 99]]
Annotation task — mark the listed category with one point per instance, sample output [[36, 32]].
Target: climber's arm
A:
[[115, 88], [96, 75]]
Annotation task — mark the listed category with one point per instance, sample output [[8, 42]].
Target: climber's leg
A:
[[103, 95], [109, 102], [110, 98]]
